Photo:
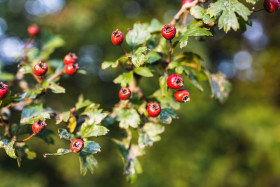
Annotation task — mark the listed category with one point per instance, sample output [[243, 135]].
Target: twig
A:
[[184, 21], [253, 11], [185, 7]]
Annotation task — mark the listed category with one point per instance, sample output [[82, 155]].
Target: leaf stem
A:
[[253, 11]]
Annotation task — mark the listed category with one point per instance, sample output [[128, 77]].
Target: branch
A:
[[185, 8]]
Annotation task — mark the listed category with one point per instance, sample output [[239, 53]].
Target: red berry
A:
[[186, 1], [124, 93], [4, 90], [33, 30], [70, 58], [154, 109], [168, 31], [182, 96], [271, 5], [38, 126], [117, 37], [77, 145], [175, 81], [71, 69], [40, 69]]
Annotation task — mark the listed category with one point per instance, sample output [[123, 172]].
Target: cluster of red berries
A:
[[71, 65], [176, 82], [70, 61], [76, 145]]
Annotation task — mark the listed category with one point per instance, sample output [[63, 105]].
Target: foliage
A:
[[148, 57]]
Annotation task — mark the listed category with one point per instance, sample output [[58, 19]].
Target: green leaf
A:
[[32, 113], [230, 9], [62, 117], [124, 79], [252, 1], [194, 31], [138, 35], [149, 134], [91, 147], [63, 133], [50, 43], [10, 149], [197, 12], [128, 117], [153, 57], [163, 84], [60, 151], [87, 162], [91, 129], [155, 26], [167, 114], [46, 136], [220, 86], [82, 103], [168, 100], [207, 19], [108, 64], [139, 57], [144, 71], [56, 88]]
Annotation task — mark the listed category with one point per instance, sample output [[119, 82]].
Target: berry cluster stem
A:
[[253, 11]]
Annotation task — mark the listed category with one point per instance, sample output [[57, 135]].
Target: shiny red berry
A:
[[71, 69], [186, 1], [175, 81], [4, 90], [40, 69], [70, 58], [124, 93], [182, 96], [153, 109], [33, 30], [77, 145], [271, 5], [168, 31], [38, 126], [117, 37]]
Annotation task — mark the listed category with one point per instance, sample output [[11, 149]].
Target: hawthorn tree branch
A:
[[185, 8]]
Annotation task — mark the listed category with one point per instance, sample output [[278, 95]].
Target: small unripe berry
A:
[[71, 69], [153, 109], [271, 5], [33, 30], [186, 1], [117, 37], [4, 90], [168, 31], [175, 81], [77, 145], [124, 93], [70, 58], [38, 126], [182, 96], [40, 69]]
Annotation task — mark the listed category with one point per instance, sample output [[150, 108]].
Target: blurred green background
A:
[[236, 144]]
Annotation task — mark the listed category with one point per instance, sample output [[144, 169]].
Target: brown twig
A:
[[184, 21], [253, 11], [185, 7]]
